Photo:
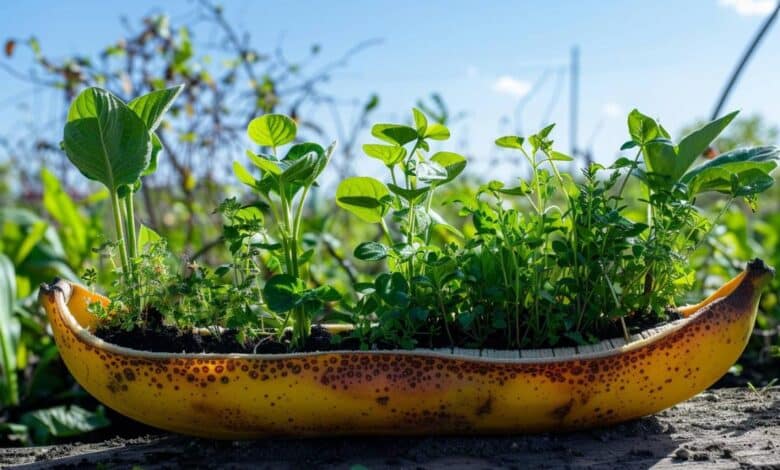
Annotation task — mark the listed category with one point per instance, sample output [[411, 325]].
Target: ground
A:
[[718, 429]]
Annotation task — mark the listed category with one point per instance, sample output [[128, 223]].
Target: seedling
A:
[[115, 143], [284, 185]]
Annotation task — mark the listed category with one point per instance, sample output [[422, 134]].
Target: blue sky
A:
[[668, 58]]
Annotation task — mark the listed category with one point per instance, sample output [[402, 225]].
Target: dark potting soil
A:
[[165, 338]]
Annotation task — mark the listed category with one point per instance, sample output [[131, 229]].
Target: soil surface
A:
[[718, 429], [159, 337]]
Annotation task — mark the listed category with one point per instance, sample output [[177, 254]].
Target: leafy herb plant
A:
[[114, 143], [554, 258], [284, 185]]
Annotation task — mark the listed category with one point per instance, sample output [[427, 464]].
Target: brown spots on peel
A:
[[383, 400], [562, 411], [486, 407]]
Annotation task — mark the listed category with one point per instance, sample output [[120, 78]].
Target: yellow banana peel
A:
[[237, 396]]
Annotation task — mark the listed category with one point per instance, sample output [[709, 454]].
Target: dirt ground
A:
[[726, 428]]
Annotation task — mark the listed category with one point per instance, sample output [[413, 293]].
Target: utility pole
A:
[[574, 92]]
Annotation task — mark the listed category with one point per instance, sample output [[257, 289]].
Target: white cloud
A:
[[749, 7], [612, 110], [511, 86]]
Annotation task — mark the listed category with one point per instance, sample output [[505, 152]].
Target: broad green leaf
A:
[[740, 172], [63, 421], [9, 385], [299, 170], [510, 142], [147, 236], [324, 293], [265, 163], [769, 154], [420, 122], [363, 196], [660, 157], [243, 175], [371, 251], [63, 209], [394, 133], [390, 155], [151, 107], [299, 150], [437, 131], [283, 292], [666, 162], [272, 130], [411, 195], [320, 163], [642, 128], [453, 164], [695, 143], [35, 234], [106, 140]]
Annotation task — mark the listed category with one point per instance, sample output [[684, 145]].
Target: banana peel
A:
[[241, 396]]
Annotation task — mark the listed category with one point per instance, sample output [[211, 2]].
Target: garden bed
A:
[[725, 428]]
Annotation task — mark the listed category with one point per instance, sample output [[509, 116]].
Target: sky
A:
[[668, 58]]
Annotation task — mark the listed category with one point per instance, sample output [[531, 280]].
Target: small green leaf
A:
[[437, 131], [300, 170], [453, 164], [559, 157], [642, 128], [363, 196], [411, 195], [265, 163], [371, 251], [390, 155], [272, 130], [147, 236], [243, 175], [305, 148], [420, 122], [283, 292], [394, 133], [152, 107], [510, 142]]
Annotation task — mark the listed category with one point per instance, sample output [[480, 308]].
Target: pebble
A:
[[682, 454]]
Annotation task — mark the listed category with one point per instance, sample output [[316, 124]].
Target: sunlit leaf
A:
[[272, 130], [364, 197]]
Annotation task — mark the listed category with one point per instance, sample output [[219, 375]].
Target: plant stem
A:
[[132, 248], [117, 211], [132, 245]]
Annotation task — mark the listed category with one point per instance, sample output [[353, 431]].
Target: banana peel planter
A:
[[236, 396]]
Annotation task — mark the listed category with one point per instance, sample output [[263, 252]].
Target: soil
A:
[[159, 337], [720, 429]]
